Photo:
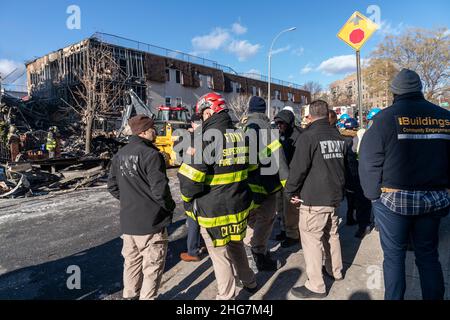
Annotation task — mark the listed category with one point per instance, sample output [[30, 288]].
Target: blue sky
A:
[[234, 33]]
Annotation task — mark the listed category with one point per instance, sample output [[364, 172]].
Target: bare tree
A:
[[101, 85], [422, 50], [239, 105], [314, 88], [378, 75]]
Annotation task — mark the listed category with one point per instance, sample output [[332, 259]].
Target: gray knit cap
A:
[[407, 81]]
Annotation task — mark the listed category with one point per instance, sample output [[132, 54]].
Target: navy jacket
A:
[[318, 167], [407, 148], [138, 179]]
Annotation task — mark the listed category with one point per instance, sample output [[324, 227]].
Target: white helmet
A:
[[288, 108]]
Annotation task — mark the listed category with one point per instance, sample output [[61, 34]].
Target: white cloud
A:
[[243, 49], [338, 65], [386, 28], [253, 73], [7, 66], [299, 51], [307, 69], [280, 50], [238, 29], [212, 41]]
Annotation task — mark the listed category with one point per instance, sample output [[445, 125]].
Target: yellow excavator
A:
[[167, 121]]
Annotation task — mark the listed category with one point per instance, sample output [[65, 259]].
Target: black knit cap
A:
[[140, 123], [285, 116], [257, 104]]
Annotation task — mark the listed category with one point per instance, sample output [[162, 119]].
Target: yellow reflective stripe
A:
[[186, 199], [224, 220], [191, 215], [192, 173], [252, 167], [271, 148], [283, 183], [226, 178], [257, 189], [233, 237]]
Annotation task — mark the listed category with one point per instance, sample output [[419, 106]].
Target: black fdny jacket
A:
[[270, 173], [138, 179], [406, 148], [318, 167], [218, 189]]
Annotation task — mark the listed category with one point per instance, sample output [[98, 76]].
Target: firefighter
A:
[[290, 134], [217, 187], [353, 191], [51, 143], [14, 143], [263, 182]]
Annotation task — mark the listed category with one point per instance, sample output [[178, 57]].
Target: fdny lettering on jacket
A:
[[332, 149]]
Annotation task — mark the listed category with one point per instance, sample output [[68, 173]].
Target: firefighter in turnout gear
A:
[[51, 143], [215, 187], [266, 178]]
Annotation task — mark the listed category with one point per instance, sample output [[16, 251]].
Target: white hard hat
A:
[[288, 108]]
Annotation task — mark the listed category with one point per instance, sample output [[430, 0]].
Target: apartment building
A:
[[159, 76], [345, 92]]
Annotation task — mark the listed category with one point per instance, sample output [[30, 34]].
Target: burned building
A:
[[159, 76]]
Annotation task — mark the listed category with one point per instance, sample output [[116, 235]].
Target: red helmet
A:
[[213, 101]]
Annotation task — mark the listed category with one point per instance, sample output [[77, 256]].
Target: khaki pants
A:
[[260, 224], [291, 218], [319, 235], [145, 257], [229, 262]]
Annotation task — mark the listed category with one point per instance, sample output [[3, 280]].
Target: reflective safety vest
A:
[[51, 143], [217, 195], [261, 183]]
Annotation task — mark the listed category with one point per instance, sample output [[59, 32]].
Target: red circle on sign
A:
[[356, 36]]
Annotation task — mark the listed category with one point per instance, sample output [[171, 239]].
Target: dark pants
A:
[[395, 232], [193, 237], [357, 200], [363, 209]]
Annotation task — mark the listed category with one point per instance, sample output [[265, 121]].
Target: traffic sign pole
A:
[[360, 100]]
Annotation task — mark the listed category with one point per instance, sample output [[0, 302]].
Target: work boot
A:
[[289, 242], [264, 262], [281, 236], [188, 258], [305, 293]]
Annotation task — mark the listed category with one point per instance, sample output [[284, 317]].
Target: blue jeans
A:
[[395, 232], [193, 237]]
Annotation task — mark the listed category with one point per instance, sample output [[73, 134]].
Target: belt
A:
[[389, 190]]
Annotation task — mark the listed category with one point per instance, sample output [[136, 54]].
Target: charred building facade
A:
[[159, 76]]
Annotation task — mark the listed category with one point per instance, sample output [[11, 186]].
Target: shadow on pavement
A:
[[101, 269], [283, 283]]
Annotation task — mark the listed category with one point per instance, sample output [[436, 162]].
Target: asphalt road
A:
[[41, 238]]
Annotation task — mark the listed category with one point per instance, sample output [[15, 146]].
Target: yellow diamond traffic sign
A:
[[357, 31]]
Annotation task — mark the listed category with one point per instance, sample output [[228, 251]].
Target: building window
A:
[[290, 97], [178, 76], [179, 102], [254, 90], [167, 75], [277, 95], [209, 81], [237, 87], [168, 101]]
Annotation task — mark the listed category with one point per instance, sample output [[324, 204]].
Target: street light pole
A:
[[269, 97]]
